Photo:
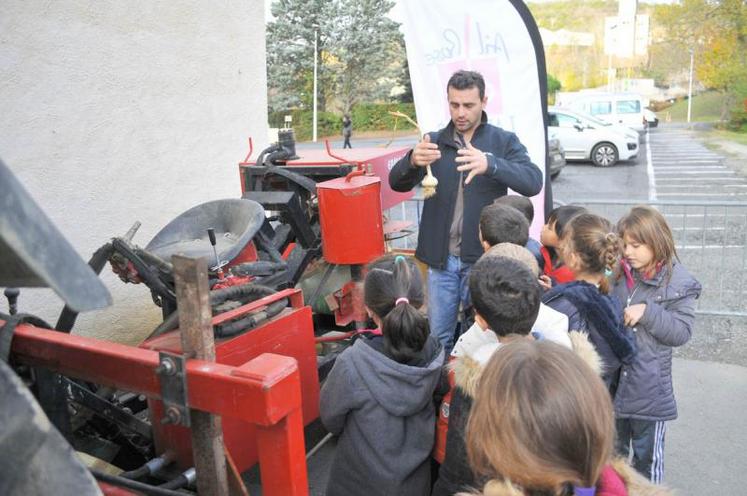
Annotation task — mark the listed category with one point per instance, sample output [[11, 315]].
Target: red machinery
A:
[[321, 208], [291, 334]]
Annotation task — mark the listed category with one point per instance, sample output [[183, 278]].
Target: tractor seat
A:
[[235, 221]]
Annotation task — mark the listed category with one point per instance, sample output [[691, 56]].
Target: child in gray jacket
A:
[[378, 397], [659, 299]]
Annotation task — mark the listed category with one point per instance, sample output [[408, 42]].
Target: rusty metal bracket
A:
[[171, 372]]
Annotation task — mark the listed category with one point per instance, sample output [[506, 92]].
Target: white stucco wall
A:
[[115, 111]]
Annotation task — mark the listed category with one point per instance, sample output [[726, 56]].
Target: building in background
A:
[[626, 40]]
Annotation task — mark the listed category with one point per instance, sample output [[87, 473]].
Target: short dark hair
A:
[[405, 330], [464, 80], [562, 215], [520, 203], [503, 224], [504, 293]]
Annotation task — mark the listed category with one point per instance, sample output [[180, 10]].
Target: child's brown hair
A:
[[542, 419], [595, 246], [647, 226]]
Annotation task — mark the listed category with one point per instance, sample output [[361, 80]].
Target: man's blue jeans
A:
[[447, 289]]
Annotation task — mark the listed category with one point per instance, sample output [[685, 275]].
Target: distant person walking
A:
[[347, 130]]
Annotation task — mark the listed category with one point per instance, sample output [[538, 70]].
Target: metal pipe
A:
[[690, 86], [316, 57]]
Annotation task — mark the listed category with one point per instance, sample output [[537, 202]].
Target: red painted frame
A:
[[265, 392]]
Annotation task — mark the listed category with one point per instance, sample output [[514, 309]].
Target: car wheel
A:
[[604, 155], [554, 175]]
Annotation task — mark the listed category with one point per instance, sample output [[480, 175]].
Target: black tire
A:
[[554, 175], [604, 154]]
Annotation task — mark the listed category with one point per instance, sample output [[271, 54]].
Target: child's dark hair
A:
[[560, 216], [504, 293], [503, 224], [393, 290], [596, 246], [520, 203]]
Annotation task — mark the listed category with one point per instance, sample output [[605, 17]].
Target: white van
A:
[[617, 108]]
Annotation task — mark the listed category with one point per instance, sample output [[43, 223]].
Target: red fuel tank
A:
[[351, 219]]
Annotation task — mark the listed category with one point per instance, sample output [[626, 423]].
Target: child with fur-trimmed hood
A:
[[542, 425], [506, 298]]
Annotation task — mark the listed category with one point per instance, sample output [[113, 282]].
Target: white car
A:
[[586, 138], [616, 108]]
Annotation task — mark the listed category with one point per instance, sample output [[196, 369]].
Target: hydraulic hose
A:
[[135, 485], [184, 479], [149, 468], [251, 321], [244, 293]]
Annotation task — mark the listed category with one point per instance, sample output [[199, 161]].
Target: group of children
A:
[[565, 373]]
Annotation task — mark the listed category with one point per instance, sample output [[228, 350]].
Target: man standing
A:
[[347, 131], [475, 163]]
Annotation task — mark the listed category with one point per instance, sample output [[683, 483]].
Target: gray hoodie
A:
[[384, 414]]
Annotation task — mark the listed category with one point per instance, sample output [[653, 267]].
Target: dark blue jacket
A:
[[645, 390], [509, 166], [601, 317]]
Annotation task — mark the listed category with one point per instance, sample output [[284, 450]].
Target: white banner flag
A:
[[500, 40]]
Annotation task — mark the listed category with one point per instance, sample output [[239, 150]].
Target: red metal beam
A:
[[262, 391], [265, 391]]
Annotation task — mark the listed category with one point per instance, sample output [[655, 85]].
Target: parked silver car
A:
[[584, 137]]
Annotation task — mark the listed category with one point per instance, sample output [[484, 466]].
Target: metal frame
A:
[[265, 392]]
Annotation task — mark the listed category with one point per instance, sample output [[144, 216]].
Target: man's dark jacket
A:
[[509, 166]]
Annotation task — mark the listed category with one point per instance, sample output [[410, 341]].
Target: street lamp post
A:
[[690, 86], [609, 56], [315, 92]]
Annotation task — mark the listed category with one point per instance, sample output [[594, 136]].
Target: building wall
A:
[[113, 112]]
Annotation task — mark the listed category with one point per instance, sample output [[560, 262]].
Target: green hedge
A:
[[366, 117]]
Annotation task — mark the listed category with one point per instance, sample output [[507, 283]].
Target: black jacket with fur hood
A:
[[455, 475]]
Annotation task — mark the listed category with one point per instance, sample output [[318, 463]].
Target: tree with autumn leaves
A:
[[716, 32]]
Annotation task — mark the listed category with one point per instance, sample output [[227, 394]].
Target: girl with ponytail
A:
[[591, 249], [378, 396]]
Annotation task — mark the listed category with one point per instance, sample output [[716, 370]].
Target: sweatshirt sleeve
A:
[[671, 325], [404, 176], [336, 397], [515, 169]]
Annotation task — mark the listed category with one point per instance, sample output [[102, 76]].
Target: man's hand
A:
[[633, 314], [425, 152], [475, 161]]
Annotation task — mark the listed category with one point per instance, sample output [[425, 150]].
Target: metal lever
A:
[[211, 235], [12, 295]]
